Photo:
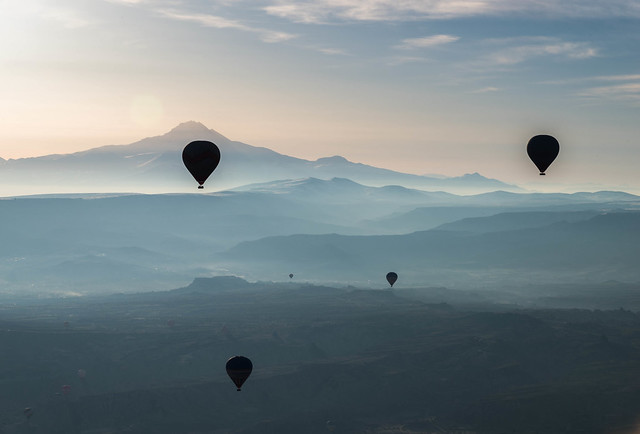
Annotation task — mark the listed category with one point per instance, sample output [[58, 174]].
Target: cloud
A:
[[323, 11], [271, 36], [521, 53], [332, 51], [426, 42], [619, 92], [208, 20], [629, 77], [486, 90]]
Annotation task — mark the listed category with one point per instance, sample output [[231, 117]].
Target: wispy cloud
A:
[[629, 91], [486, 90], [426, 42], [520, 53], [332, 51], [592, 79], [214, 21], [628, 77], [322, 11], [203, 19], [623, 92]]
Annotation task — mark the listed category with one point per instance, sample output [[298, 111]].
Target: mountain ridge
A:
[[154, 165]]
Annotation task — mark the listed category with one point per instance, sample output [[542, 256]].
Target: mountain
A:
[[154, 165], [510, 221], [600, 248], [108, 242]]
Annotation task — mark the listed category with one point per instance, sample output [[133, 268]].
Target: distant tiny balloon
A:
[[66, 389], [201, 158], [238, 369], [291, 276], [542, 150], [82, 373], [391, 278], [28, 412]]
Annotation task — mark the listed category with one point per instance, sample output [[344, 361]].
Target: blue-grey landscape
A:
[[514, 311], [319, 216]]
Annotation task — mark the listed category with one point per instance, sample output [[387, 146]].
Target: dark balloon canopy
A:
[[238, 369], [542, 150], [201, 158], [391, 278], [291, 276]]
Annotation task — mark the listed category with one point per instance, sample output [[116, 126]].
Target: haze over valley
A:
[[124, 289]]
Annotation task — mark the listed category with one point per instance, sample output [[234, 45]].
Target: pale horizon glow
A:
[[421, 87]]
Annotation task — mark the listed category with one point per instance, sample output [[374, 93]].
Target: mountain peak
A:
[[474, 175], [333, 160], [189, 126]]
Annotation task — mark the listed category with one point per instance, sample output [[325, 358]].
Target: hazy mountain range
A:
[[328, 220], [93, 242], [530, 249], [154, 165]]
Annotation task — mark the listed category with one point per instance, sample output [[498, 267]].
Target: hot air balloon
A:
[[82, 374], [543, 150], [201, 158], [291, 276], [28, 412], [66, 389], [238, 369], [391, 278]]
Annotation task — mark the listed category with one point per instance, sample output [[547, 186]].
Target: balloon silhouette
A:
[[28, 412], [201, 158], [543, 150], [291, 276], [238, 369], [391, 278]]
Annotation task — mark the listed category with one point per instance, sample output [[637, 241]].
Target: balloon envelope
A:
[[201, 158], [291, 276], [391, 278], [238, 369], [28, 412], [542, 150]]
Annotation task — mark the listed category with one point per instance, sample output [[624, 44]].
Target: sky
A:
[[428, 87]]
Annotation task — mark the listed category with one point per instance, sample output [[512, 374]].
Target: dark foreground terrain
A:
[[325, 360]]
